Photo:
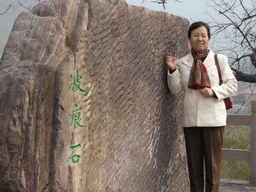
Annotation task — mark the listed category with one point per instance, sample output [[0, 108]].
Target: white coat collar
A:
[[188, 59]]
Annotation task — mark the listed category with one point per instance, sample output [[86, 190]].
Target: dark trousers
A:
[[203, 146]]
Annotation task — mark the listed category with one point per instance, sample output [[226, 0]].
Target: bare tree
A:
[[237, 34]]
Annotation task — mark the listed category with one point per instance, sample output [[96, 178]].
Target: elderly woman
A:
[[204, 111]]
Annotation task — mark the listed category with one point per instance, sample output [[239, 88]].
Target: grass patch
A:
[[235, 170], [236, 137]]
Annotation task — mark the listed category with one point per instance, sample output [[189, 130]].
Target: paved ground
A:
[[229, 185]]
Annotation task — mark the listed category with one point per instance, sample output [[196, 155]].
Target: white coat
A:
[[199, 111]]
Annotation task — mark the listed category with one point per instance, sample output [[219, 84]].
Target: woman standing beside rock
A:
[[204, 111]]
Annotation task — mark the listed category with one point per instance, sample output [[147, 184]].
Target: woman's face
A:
[[199, 39]]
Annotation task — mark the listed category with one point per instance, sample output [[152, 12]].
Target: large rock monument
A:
[[84, 103]]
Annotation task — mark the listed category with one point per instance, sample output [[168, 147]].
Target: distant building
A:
[[245, 97]]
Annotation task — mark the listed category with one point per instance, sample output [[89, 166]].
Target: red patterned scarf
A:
[[199, 78]]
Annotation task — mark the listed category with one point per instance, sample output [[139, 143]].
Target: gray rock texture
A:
[[84, 103]]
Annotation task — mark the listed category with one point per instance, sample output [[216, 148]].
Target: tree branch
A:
[[23, 5], [240, 76], [161, 2], [8, 8], [237, 27]]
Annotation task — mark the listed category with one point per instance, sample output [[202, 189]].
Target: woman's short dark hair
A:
[[196, 25]]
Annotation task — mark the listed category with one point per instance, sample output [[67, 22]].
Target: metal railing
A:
[[244, 155]]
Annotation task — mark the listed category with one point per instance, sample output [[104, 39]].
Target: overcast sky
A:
[[193, 10]]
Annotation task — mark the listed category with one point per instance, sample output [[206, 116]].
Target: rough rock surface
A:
[[124, 130]]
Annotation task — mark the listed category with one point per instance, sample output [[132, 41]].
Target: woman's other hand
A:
[[171, 61], [207, 92]]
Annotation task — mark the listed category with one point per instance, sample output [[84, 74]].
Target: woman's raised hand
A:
[[171, 61]]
